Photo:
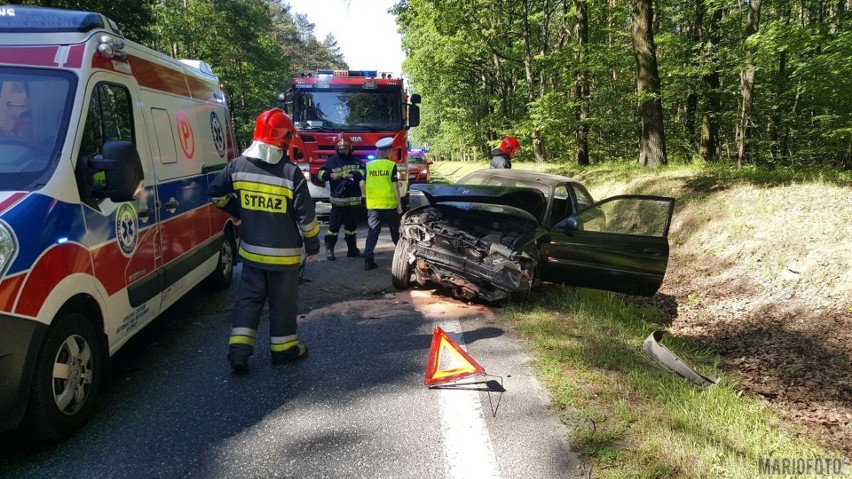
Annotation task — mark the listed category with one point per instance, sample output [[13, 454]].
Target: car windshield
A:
[[416, 159], [479, 178], [348, 110], [34, 110]]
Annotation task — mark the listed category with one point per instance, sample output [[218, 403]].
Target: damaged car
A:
[[498, 233]]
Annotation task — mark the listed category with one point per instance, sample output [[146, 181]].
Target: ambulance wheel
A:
[[400, 267], [67, 379], [221, 277]]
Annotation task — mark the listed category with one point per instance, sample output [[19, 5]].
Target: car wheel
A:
[[400, 267], [67, 379], [221, 277]]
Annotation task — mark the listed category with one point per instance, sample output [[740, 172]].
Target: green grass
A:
[[628, 417]]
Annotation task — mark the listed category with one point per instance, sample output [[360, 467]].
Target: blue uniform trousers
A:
[[375, 218]]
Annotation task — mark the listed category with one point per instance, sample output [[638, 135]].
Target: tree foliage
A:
[[739, 82], [253, 46], [778, 73]]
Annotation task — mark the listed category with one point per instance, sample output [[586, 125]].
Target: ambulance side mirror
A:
[[117, 172]]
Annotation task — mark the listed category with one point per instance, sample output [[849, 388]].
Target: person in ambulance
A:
[[277, 216], [15, 118]]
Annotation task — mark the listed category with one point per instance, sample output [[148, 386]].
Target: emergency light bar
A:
[[18, 19], [347, 73]]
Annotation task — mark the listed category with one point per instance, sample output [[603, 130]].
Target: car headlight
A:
[[8, 247]]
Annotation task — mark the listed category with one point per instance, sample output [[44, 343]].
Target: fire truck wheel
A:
[[400, 267], [221, 277], [67, 379]]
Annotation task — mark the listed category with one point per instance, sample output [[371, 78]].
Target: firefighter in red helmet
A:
[[277, 219], [343, 172], [502, 156]]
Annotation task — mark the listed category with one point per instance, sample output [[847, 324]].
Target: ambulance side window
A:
[[109, 117]]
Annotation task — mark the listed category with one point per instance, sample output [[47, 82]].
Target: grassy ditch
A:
[[630, 418]]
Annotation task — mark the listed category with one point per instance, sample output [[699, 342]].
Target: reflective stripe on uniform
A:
[[244, 332], [241, 340], [266, 255], [284, 339], [311, 230], [350, 201], [242, 176], [277, 348]]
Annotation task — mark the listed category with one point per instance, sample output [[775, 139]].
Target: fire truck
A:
[[365, 104]]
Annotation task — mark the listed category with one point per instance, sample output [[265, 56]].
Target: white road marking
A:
[[467, 445]]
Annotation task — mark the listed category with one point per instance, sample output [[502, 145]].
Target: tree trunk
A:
[[747, 86], [652, 135], [581, 90], [538, 141], [708, 149]]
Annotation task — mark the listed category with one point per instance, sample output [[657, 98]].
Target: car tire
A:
[[532, 282], [221, 277], [59, 406], [400, 267]]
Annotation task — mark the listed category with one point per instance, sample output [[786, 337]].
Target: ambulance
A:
[[106, 151]]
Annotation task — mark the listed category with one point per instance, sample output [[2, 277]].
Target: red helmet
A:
[[343, 143], [274, 127], [510, 145]]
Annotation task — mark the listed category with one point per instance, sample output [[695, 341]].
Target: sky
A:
[[365, 31]]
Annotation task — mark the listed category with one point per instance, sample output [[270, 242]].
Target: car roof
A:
[[548, 179]]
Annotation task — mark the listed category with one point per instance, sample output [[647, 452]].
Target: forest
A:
[[730, 83]]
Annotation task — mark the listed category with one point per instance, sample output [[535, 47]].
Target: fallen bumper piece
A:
[[670, 361]]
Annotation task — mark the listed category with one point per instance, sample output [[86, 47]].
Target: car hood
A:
[[527, 199]]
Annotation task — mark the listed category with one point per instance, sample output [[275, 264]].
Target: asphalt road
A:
[[356, 407]]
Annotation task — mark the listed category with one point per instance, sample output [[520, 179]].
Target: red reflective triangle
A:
[[464, 364]]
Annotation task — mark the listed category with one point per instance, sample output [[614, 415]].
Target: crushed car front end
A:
[[482, 247]]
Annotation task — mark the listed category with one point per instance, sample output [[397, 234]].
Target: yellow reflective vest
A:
[[381, 175]]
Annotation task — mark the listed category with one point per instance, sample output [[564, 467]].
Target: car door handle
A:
[[171, 204], [651, 251], [145, 214]]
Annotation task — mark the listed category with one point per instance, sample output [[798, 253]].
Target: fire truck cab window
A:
[[369, 110]]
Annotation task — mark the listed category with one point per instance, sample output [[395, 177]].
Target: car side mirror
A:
[[570, 225]]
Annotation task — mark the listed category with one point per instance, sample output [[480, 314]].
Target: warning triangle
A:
[[448, 361]]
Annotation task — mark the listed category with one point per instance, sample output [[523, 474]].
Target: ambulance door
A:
[[123, 237], [182, 190]]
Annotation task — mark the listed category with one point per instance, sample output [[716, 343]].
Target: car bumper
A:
[[19, 342]]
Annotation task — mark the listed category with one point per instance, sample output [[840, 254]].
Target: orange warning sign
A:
[[438, 369]]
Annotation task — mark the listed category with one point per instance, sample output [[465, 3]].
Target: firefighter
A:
[[381, 188], [343, 172], [502, 156], [277, 213]]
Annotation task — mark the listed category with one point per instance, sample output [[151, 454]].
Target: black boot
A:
[[352, 250], [330, 241], [238, 356]]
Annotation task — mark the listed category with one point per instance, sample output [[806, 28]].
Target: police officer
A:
[[343, 172], [381, 187], [502, 156], [276, 213]]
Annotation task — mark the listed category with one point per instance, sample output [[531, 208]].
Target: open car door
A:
[[619, 244]]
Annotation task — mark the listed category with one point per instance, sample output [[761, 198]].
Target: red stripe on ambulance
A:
[[55, 265]]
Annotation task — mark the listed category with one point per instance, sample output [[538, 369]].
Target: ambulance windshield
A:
[[34, 111], [348, 110]]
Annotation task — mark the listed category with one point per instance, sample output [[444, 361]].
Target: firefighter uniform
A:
[[345, 201], [276, 213], [380, 185]]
